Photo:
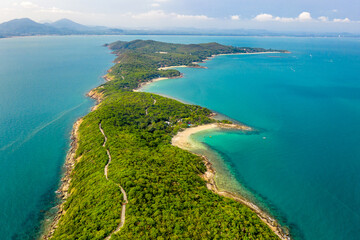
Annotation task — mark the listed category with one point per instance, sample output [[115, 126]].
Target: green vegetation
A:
[[167, 197]]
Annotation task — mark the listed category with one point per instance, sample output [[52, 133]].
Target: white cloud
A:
[[304, 16], [158, 14], [155, 5], [235, 17], [323, 19], [161, 0], [195, 17], [334, 10], [339, 20], [265, 17], [284, 19]]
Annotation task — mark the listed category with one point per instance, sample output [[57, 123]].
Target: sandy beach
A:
[[170, 67], [138, 89], [183, 141]]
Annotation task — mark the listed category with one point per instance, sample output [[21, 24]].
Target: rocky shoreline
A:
[[65, 180], [69, 165], [209, 177]]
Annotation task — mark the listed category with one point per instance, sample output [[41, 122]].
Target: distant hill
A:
[[68, 24], [28, 27], [25, 27]]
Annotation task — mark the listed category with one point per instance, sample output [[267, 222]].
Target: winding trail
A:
[[146, 109], [123, 210], [153, 99]]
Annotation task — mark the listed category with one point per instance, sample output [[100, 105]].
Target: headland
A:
[[173, 179]]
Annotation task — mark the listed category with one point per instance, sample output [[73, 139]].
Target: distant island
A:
[[27, 27], [125, 179]]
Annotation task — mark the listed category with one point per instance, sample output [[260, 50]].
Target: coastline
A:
[[62, 192], [182, 140], [254, 53], [143, 84]]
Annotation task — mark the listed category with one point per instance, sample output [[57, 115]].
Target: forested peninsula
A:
[[125, 180]]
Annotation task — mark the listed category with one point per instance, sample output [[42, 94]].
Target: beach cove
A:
[[184, 141]]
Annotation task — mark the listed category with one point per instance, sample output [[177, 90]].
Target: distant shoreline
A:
[[168, 34], [142, 85]]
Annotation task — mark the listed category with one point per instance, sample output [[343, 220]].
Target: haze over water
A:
[[304, 164]]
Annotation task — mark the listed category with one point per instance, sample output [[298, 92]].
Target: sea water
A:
[[43, 82], [302, 164]]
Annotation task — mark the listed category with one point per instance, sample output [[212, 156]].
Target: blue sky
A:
[[275, 15]]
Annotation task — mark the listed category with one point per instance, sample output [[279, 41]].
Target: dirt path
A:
[[123, 210], [154, 100], [102, 131], [146, 109]]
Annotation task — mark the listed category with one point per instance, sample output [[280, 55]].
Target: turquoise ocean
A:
[[43, 82], [301, 165]]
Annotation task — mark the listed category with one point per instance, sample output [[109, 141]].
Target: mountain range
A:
[[28, 27]]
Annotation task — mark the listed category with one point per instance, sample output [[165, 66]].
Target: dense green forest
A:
[[167, 198]]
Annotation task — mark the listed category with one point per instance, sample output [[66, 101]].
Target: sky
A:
[[273, 15]]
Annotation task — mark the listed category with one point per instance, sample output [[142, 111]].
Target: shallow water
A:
[[304, 164]]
